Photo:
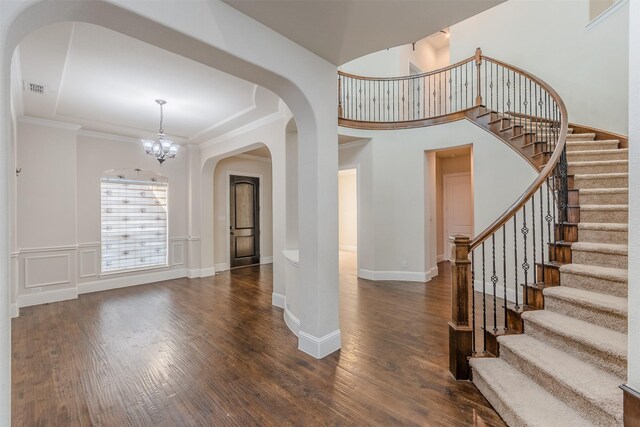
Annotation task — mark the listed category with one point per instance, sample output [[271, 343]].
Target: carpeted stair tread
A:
[[600, 309], [598, 162], [604, 191], [604, 226], [605, 213], [592, 392], [575, 144], [603, 347], [581, 136], [599, 153], [602, 175], [605, 248], [612, 281], [518, 399]]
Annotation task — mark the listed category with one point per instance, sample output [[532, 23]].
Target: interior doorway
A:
[[348, 217], [244, 216], [454, 197]]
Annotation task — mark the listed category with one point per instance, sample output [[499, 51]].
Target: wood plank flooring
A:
[[214, 351]]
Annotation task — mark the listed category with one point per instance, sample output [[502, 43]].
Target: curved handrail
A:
[[414, 76], [544, 173]]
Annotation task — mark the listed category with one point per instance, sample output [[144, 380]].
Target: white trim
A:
[[67, 53], [266, 260], [28, 300], [349, 248], [193, 239], [14, 311], [89, 245], [440, 258], [38, 285], [49, 123], [605, 15], [47, 249], [400, 276], [193, 273], [126, 281], [82, 273], [228, 206], [278, 300], [352, 144], [292, 322], [254, 158], [207, 272], [511, 295], [243, 129], [18, 84], [225, 120], [220, 267], [319, 347]]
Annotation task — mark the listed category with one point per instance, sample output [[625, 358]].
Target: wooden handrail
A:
[[546, 171], [415, 76]]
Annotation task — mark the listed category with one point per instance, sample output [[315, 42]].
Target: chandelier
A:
[[162, 148]]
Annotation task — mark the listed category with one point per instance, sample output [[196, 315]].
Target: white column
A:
[[633, 359], [318, 230]]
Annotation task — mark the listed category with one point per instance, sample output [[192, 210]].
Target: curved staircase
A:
[[566, 369]]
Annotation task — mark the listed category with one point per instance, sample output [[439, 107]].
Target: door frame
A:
[[445, 223], [228, 214]]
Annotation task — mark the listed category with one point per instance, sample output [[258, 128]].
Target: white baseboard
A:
[[207, 272], [193, 273], [440, 258], [278, 300], [349, 248], [292, 322], [220, 267], [511, 295], [266, 260], [125, 281], [14, 311], [28, 300], [432, 273], [400, 276], [319, 347]]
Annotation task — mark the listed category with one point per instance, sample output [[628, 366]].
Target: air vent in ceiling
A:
[[34, 88]]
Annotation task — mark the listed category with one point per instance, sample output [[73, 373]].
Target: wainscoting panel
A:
[[47, 270], [177, 253], [88, 262]]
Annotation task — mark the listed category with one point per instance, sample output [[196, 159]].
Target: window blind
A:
[[134, 224]]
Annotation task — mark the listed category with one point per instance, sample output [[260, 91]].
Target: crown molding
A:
[[263, 121], [255, 158], [353, 144], [49, 123], [606, 14], [108, 136]]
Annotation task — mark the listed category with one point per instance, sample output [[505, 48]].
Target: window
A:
[[134, 221]]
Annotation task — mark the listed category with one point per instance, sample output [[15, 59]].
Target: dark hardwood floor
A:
[[215, 351]]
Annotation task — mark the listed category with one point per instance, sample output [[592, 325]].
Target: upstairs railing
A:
[[493, 273]]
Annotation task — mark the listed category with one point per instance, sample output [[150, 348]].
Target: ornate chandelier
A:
[[162, 148]]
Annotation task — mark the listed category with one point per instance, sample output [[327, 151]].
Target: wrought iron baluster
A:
[[494, 281], [541, 228], [525, 264], [504, 273], [484, 304], [515, 258], [533, 236], [473, 302]]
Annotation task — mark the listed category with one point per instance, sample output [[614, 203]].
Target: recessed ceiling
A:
[[343, 30], [108, 82]]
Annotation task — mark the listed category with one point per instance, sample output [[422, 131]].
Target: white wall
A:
[[395, 61], [633, 377], [348, 210], [58, 210], [235, 165], [398, 217], [587, 66]]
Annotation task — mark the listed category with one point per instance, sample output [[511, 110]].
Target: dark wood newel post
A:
[[479, 82], [460, 326]]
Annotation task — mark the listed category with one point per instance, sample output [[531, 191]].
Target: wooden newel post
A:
[[479, 82], [460, 326]]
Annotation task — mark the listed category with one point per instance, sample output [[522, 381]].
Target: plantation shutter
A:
[[134, 224]]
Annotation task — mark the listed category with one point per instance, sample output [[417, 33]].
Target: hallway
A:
[[215, 351]]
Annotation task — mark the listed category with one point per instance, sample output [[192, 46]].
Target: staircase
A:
[[565, 369]]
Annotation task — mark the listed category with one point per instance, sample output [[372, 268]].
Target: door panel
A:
[[457, 208], [244, 220]]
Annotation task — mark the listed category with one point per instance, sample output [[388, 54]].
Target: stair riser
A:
[[603, 236], [591, 156], [604, 199], [594, 284], [594, 145], [567, 232], [600, 182], [602, 360], [606, 168], [581, 136], [599, 258], [550, 275], [604, 216], [562, 391], [594, 316]]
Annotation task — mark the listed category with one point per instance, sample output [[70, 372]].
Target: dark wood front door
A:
[[245, 221]]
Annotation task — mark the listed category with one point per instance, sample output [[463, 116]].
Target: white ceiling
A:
[[343, 30], [108, 82]]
